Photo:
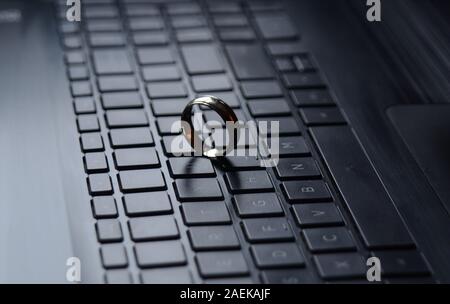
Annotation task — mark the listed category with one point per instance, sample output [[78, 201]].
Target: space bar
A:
[[363, 193]]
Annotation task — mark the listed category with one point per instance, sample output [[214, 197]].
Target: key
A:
[[288, 276], [193, 35], [264, 6], [205, 213], [248, 61], [224, 7], [234, 20], [121, 100], [306, 191], [141, 180], [72, 42], [322, 116], [91, 142], [248, 181], [69, 27], [136, 158], [100, 184], [172, 275], [221, 264], [169, 106], [177, 146], [168, 125], [201, 59], [84, 105], [303, 80], [171, 89], [236, 163], [401, 263], [257, 205], [340, 266], [237, 34], [111, 61], [211, 83], [120, 276], [113, 256], [275, 26], [153, 228], [286, 125], [106, 39], [155, 55], [190, 167], [261, 89], [315, 215], [104, 207], [230, 98], [198, 189], [213, 238], [117, 83], [267, 230], [277, 255], [342, 154], [285, 64], [183, 8], [161, 72], [150, 38], [329, 239], [286, 48], [311, 97], [179, 22], [269, 107], [88, 123], [75, 57], [126, 118], [297, 168], [147, 203], [144, 23], [103, 25], [101, 11], [78, 72], [81, 88], [131, 137], [160, 254], [303, 63], [108, 231], [141, 9], [290, 146], [95, 162]]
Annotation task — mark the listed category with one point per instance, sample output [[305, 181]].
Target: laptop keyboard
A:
[[317, 216]]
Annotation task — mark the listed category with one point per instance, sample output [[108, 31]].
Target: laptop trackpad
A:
[[426, 131]]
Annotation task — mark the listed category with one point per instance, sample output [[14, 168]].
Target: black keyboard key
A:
[[114, 256], [101, 11], [287, 125], [171, 89], [311, 97], [249, 61], [104, 207], [136, 158], [230, 20], [111, 61], [155, 55], [257, 205], [117, 83], [341, 151], [168, 125], [145, 23], [322, 116], [193, 35], [269, 107], [95, 162], [205, 213], [211, 83], [81, 88], [109, 231], [131, 137], [78, 72], [153, 228], [213, 238], [316, 215], [264, 6], [402, 263], [221, 264], [190, 167], [160, 254], [150, 38], [84, 105], [285, 48], [204, 189], [340, 266], [329, 239], [72, 42], [147, 203], [267, 230], [103, 25], [277, 255], [91, 142], [297, 168], [261, 89], [306, 191], [88, 123], [201, 59], [237, 163], [141, 180], [275, 26], [141, 9], [169, 106], [187, 21], [183, 8], [290, 146], [285, 64], [303, 80], [112, 39], [303, 63], [118, 276], [224, 7], [172, 275], [230, 98], [74, 57], [121, 100], [126, 118], [161, 72], [100, 184], [177, 146], [288, 276], [248, 181]]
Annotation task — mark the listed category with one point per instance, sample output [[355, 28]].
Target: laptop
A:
[[93, 190]]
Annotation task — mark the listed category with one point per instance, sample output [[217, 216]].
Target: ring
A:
[[194, 138]]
